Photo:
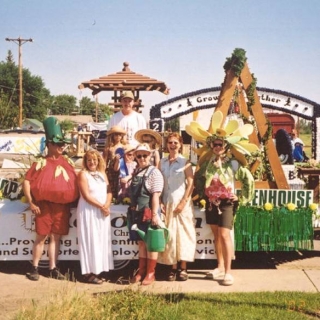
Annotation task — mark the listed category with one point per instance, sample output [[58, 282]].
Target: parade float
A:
[[279, 218]]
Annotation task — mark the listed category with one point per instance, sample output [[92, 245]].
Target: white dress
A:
[[94, 230], [182, 242]]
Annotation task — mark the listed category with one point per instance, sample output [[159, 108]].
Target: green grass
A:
[[129, 304], [306, 138]]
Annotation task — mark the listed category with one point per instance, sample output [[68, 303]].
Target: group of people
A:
[[130, 166]]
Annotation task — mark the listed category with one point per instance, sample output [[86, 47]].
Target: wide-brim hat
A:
[[116, 129], [127, 94], [53, 131], [142, 147], [128, 147], [139, 134]]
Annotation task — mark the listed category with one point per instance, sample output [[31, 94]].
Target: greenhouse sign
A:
[[279, 197]]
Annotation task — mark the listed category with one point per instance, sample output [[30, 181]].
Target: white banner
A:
[[22, 145], [17, 235]]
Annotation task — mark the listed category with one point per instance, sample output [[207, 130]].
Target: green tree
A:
[[304, 126], [66, 125], [9, 57], [103, 112], [9, 112], [87, 106], [63, 104], [36, 98], [173, 125]]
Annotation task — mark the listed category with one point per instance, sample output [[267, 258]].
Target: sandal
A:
[[183, 275], [172, 275], [92, 279]]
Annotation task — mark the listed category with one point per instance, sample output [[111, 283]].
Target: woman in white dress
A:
[[93, 218], [178, 209]]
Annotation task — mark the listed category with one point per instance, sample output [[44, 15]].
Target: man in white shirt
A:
[[128, 119]]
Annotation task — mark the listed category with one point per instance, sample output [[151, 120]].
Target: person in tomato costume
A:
[[50, 187]]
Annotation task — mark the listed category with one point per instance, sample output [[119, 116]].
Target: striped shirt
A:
[[154, 180]]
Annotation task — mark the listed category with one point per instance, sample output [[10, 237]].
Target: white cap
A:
[[298, 140], [142, 147]]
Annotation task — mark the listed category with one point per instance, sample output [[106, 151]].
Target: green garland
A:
[[279, 229], [236, 62], [250, 93]]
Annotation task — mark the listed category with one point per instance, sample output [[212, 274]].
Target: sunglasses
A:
[[139, 156], [217, 145], [173, 142], [147, 141], [130, 154]]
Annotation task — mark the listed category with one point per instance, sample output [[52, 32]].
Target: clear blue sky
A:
[[183, 43]]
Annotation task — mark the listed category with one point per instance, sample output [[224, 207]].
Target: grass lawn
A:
[[306, 138], [129, 304]]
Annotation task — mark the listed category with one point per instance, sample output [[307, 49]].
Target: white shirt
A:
[[131, 123]]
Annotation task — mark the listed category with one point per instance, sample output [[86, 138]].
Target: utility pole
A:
[[20, 42]]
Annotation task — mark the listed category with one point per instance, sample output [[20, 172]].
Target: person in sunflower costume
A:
[[222, 160], [50, 186]]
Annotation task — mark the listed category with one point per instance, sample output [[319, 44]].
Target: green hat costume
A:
[[53, 131]]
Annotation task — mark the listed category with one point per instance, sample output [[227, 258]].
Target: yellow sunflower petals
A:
[[231, 126], [244, 131], [216, 121]]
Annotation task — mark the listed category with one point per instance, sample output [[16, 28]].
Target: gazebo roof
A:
[[124, 80]]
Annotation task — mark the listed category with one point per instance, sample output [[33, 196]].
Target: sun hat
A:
[[127, 94], [139, 134], [128, 147], [116, 129], [142, 147]]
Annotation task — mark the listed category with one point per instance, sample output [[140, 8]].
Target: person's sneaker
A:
[[33, 274], [228, 280], [56, 274], [214, 274]]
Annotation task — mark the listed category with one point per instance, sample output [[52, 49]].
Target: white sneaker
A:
[[228, 280], [214, 274]]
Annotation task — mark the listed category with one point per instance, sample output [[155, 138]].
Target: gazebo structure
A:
[[124, 80]]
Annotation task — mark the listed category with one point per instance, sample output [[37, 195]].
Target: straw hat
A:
[[116, 129], [128, 147], [142, 147], [138, 135]]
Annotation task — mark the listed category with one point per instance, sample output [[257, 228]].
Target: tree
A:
[[103, 112], [63, 104], [66, 126], [87, 106], [9, 112], [173, 125], [10, 58], [36, 97]]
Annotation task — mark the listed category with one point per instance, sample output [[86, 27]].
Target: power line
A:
[[20, 42]]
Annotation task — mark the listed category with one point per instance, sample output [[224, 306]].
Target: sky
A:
[[183, 43]]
